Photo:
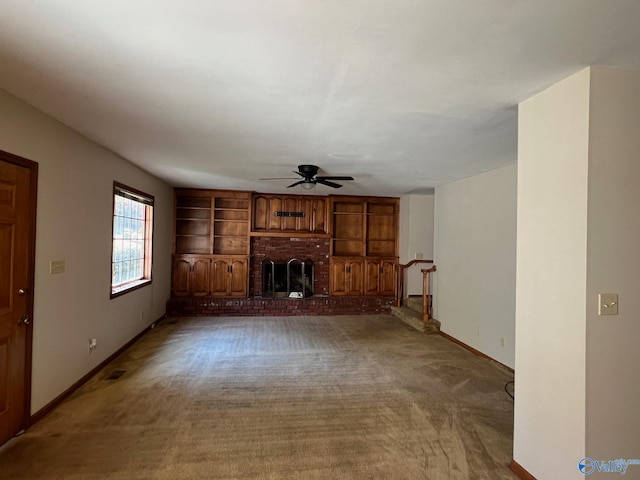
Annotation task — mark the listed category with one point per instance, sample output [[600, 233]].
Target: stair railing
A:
[[427, 299]]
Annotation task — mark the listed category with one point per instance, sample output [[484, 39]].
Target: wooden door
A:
[[17, 218]]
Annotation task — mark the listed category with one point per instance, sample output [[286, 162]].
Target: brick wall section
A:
[[282, 250], [271, 307]]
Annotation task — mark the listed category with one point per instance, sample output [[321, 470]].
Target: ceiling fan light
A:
[[308, 185]]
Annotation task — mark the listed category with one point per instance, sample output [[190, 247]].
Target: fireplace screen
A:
[[291, 279]]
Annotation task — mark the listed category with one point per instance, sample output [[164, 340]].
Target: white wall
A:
[[553, 136], [75, 185], [416, 236], [613, 356], [474, 250]]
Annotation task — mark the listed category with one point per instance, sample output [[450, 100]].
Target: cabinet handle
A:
[[229, 268]]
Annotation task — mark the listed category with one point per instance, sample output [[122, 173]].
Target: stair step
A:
[[414, 319], [414, 303]]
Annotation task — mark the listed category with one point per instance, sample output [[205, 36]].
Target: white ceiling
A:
[[404, 95]]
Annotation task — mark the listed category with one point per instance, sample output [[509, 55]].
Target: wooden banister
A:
[[427, 298], [400, 278]]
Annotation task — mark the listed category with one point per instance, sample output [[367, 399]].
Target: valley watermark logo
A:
[[588, 465]]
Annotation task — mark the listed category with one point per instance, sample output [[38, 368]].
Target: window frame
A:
[[122, 190]]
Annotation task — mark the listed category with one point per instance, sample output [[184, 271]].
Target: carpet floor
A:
[[345, 397]]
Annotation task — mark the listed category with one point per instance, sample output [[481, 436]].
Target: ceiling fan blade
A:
[[334, 178], [278, 178], [327, 183], [297, 183]]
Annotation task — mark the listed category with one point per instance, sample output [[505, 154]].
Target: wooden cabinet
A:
[[229, 277], [211, 229], [346, 276], [289, 213], [364, 229], [362, 276], [380, 276], [190, 276]]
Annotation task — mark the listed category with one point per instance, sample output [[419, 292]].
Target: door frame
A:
[[33, 195]]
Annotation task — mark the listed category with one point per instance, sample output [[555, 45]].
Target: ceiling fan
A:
[[310, 178]]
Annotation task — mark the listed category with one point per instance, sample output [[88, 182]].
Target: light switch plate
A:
[[56, 266], [608, 304]]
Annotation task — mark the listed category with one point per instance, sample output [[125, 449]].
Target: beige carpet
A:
[[360, 397]]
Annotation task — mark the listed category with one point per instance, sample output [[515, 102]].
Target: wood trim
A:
[[33, 201], [49, 407], [520, 472], [290, 234], [474, 351]]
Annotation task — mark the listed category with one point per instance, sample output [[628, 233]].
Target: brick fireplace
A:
[[313, 251]]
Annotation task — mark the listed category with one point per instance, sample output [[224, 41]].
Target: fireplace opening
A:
[[287, 279]]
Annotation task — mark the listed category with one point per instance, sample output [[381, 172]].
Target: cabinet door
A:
[[355, 271], [180, 277], [289, 204], [220, 272], [260, 213], [238, 278], [318, 216], [305, 206], [387, 281], [346, 276], [199, 281], [371, 277], [380, 277], [275, 205], [338, 277]]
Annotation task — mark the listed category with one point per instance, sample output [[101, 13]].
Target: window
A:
[[132, 239]]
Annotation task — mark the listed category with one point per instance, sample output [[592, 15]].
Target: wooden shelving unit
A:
[[364, 246], [211, 243]]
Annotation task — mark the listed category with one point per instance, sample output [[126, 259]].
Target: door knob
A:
[[24, 321], [22, 291]]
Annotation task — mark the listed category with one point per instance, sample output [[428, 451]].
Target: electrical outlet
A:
[[56, 266], [608, 304], [419, 255], [502, 342], [93, 343]]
